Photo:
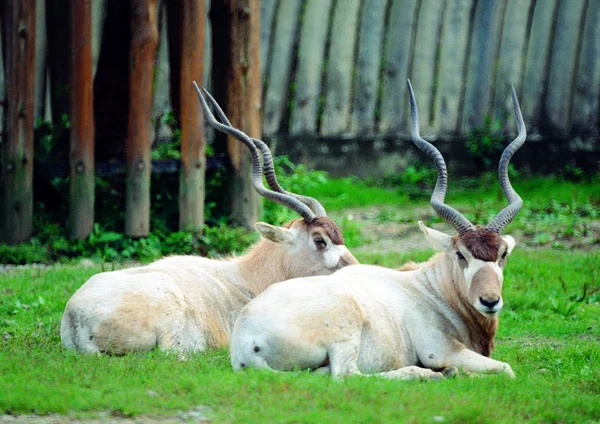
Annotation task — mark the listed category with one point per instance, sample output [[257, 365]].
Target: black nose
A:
[[489, 302]]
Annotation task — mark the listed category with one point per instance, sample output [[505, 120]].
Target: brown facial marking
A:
[[332, 230], [482, 243], [330, 227]]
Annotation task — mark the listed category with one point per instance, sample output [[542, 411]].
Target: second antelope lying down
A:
[[189, 303], [371, 320]]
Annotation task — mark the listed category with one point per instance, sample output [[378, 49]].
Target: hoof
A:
[[436, 376], [450, 372]]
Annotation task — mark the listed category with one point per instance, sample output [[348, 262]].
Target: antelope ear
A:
[[275, 234], [439, 241], [510, 242]]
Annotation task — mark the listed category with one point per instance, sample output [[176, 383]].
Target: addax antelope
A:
[[190, 303], [396, 324]]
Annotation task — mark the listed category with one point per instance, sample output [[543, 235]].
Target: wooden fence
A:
[[112, 68], [331, 69], [339, 67]]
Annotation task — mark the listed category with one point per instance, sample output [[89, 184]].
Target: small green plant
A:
[[573, 173], [486, 143], [385, 215], [223, 240], [51, 139], [416, 180], [168, 149], [296, 179], [171, 148], [351, 231]]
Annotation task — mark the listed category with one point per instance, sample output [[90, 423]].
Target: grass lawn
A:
[[549, 334]]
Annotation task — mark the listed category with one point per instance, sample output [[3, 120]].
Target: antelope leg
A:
[[470, 361], [411, 372]]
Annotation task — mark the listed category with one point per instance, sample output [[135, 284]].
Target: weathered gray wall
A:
[[338, 68], [344, 66]]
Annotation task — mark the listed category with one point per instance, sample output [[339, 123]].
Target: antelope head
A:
[[315, 240], [478, 253]]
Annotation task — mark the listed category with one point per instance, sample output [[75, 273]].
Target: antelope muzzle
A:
[[486, 291]]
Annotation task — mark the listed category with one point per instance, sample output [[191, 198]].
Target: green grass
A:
[[549, 334], [558, 214], [341, 193]]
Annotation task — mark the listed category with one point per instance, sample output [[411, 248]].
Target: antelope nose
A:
[[489, 301]]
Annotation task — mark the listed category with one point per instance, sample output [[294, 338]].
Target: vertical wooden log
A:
[[280, 68], [243, 105], [451, 71], [81, 105], [368, 63], [482, 56], [193, 143], [309, 71], [340, 67], [16, 205], [144, 40], [397, 55], [424, 59], [536, 62], [237, 87], [510, 59], [586, 101], [563, 64]]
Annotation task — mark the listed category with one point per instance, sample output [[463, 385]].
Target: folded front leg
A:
[[412, 372], [470, 361]]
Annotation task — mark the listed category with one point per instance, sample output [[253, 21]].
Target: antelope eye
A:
[[319, 242], [504, 255], [460, 256]]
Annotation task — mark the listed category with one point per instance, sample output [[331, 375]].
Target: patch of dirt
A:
[[384, 229], [396, 230], [199, 414]]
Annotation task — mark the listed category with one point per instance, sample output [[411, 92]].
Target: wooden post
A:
[[309, 71], [237, 49], [187, 21], [397, 54], [280, 68], [565, 45], [144, 40], [338, 88], [368, 60], [81, 105], [16, 204], [244, 101], [539, 51]]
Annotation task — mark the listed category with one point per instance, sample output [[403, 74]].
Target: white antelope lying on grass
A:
[[190, 303], [441, 315]]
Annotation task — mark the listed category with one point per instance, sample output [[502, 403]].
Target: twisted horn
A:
[[507, 214], [452, 216], [268, 167], [257, 176]]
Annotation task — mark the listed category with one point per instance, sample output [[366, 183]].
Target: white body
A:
[[189, 303], [372, 320]]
